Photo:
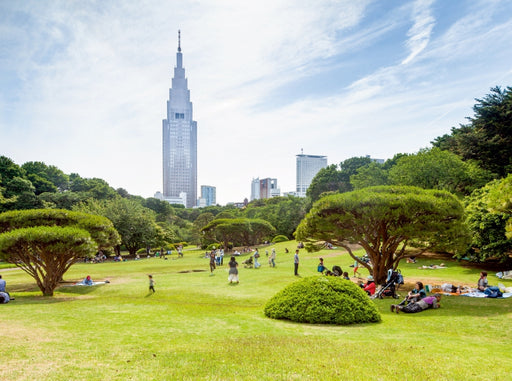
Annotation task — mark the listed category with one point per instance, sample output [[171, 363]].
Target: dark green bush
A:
[[280, 238], [323, 300]]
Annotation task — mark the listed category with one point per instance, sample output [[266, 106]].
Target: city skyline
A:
[[84, 83]]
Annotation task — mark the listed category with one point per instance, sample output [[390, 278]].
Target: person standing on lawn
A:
[[296, 262]]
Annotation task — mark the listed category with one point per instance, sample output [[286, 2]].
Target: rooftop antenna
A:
[[302, 151], [179, 40]]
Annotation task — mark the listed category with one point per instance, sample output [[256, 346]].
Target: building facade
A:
[[179, 137], [209, 195], [307, 168], [264, 188]]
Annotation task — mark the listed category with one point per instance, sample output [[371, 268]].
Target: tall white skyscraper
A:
[[307, 168], [179, 139]]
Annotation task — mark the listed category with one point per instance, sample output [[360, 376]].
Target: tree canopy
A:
[[239, 231], [489, 217], [45, 243], [437, 169], [385, 221], [332, 179], [135, 223], [487, 139]]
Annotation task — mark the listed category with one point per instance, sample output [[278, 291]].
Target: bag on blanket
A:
[[493, 292]]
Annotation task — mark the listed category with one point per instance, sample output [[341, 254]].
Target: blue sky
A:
[[85, 83]]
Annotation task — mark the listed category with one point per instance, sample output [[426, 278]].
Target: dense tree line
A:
[[472, 163]]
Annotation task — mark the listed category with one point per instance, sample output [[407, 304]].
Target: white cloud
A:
[[88, 83]]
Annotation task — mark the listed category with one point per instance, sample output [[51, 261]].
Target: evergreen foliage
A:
[[45, 243], [279, 238], [385, 221], [323, 300]]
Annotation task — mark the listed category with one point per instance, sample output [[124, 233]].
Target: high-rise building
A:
[[209, 195], [268, 188], [307, 168], [264, 188], [255, 189], [179, 132]]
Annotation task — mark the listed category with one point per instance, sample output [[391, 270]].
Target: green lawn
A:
[[198, 326]]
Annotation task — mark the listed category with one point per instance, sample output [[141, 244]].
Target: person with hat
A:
[[370, 286]]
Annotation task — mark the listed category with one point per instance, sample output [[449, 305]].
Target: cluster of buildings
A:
[[179, 149]]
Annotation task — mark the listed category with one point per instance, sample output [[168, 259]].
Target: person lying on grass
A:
[[420, 305]]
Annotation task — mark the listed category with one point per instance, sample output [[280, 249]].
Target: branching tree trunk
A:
[[385, 221]]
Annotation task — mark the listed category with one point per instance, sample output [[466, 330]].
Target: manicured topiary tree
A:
[[280, 238], [46, 242], [323, 300]]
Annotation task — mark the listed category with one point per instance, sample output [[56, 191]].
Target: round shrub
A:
[[280, 238], [212, 246], [323, 300]]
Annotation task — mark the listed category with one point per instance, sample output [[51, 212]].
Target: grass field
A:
[[198, 326]]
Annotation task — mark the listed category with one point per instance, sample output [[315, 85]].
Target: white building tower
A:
[[307, 168], [179, 139]]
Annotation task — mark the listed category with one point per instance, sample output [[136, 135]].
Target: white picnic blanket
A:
[[93, 283], [478, 294]]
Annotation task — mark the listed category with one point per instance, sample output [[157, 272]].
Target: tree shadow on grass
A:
[[29, 293]]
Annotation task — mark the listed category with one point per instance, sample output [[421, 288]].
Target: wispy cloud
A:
[[419, 34], [85, 83]]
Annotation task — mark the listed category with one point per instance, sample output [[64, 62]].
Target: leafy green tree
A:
[[370, 175], [22, 195], [46, 242], [284, 213], [96, 188], [63, 200], [240, 231], [437, 169], [135, 223], [385, 221], [487, 139], [489, 217], [164, 211], [9, 170], [332, 179], [328, 179], [45, 178], [201, 237], [46, 252]]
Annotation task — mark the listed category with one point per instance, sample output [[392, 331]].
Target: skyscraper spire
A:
[[179, 133]]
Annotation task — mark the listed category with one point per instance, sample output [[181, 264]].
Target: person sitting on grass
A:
[[482, 282], [369, 287], [420, 305], [416, 294], [87, 281]]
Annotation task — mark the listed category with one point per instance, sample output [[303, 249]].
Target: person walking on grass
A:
[[151, 283], [212, 262], [296, 262], [233, 271], [256, 257], [272, 258]]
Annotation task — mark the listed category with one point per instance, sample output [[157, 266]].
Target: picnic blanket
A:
[[479, 294], [504, 274], [81, 283], [448, 289]]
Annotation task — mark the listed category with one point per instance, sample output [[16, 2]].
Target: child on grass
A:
[[151, 283]]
